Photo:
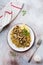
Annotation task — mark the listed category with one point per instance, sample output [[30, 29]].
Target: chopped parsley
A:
[[25, 32], [12, 53], [24, 12]]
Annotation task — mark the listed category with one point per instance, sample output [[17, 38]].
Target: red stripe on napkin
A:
[[15, 6], [8, 12], [1, 16]]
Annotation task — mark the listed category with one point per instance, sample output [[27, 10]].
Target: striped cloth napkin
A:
[[9, 13]]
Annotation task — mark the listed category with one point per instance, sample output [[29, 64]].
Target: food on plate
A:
[[20, 36]]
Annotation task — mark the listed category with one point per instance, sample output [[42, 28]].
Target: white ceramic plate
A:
[[21, 49]]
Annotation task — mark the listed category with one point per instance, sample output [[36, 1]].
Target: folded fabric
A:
[[9, 12]]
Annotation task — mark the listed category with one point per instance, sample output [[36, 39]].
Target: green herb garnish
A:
[[12, 53], [25, 32], [24, 12]]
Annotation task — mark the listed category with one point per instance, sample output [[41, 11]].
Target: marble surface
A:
[[34, 18]]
